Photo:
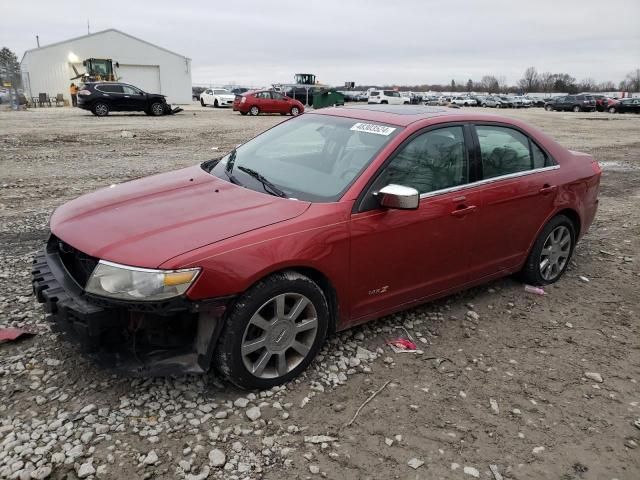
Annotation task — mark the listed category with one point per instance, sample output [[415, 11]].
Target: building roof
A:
[[100, 33]]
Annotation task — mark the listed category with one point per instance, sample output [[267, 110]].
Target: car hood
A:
[[148, 221]]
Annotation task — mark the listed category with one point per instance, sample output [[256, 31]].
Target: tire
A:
[[484, 105], [243, 113], [406, 103], [576, 109], [612, 110], [100, 109], [215, 103], [498, 105], [557, 229], [202, 103], [384, 102], [295, 111], [548, 108], [156, 109], [254, 111], [271, 358]]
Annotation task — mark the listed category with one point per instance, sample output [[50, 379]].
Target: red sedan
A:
[[246, 263], [267, 101]]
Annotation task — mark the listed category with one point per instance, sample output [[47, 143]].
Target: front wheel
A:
[[295, 111], [576, 109], [157, 109], [254, 111], [612, 110], [498, 105], [551, 252], [548, 108], [202, 103], [273, 331], [215, 103]]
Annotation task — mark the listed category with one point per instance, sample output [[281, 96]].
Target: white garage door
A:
[[146, 77]]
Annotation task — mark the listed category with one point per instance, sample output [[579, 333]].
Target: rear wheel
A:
[[273, 331], [384, 102], [254, 111], [577, 108], [295, 111], [498, 105], [612, 109], [551, 252], [156, 109], [548, 108], [100, 109]]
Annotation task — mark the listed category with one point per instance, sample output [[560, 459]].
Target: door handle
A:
[[464, 211], [547, 189]]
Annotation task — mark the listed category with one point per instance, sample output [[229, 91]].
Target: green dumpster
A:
[[327, 98]]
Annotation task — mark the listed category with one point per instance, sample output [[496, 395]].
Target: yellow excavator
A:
[[98, 70]]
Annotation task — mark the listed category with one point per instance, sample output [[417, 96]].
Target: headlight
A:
[[130, 283]]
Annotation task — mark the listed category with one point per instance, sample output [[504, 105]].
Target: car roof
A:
[[404, 115]]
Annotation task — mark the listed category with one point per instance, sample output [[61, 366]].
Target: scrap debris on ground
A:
[[504, 384]]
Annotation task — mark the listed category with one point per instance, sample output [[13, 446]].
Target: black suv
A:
[[576, 103], [104, 97]]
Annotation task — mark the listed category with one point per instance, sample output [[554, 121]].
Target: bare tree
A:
[[607, 86], [587, 84], [490, 83], [546, 81], [529, 82], [632, 81], [502, 83]]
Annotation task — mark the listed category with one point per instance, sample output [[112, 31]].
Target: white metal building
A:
[[49, 69]]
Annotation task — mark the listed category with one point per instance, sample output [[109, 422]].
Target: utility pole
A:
[[38, 40], [88, 30]]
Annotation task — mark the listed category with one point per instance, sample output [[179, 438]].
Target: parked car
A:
[[506, 101], [625, 105], [522, 102], [390, 97], [246, 263], [536, 101], [575, 103], [603, 102], [103, 97], [492, 101], [266, 101], [218, 97], [464, 101], [239, 90]]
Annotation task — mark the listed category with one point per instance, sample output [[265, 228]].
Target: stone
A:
[[85, 470], [472, 471], [319, 439], [41, 473], [151, 458], [241, 402], [537, 450], [88, 409], [494, 406], [388, 441], [314, 469], [217, 457], [253, 413], [596, 377], [415, 463]]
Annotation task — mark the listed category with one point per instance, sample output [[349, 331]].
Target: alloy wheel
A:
[[254, 110], [279, 335], [555, 253], [157, 109], [295, 111], [101, 109]]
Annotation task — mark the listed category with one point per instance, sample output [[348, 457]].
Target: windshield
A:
[[312, 157]]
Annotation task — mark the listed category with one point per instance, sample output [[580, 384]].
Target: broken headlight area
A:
[[166, 333]]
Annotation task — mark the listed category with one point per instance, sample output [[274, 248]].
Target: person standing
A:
[[73, 90]]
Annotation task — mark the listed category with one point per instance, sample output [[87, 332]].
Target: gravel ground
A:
[[527, 386]]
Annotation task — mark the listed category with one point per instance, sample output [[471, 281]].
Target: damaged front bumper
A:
[[175, 336]]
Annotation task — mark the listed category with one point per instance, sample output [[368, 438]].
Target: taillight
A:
[[596, 167], [84, 92], [244, 99]]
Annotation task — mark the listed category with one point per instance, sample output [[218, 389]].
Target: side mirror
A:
[[399, 197]]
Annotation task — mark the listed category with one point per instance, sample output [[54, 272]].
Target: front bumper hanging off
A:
[[144, 338]]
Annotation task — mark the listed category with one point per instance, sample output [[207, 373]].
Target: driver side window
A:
[[431, 161]]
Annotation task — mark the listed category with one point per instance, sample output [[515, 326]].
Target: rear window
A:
[[110, 88]]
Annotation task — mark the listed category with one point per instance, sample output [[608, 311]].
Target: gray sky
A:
[[398, 42]]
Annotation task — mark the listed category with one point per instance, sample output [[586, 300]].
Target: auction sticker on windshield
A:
[[373, 128]]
